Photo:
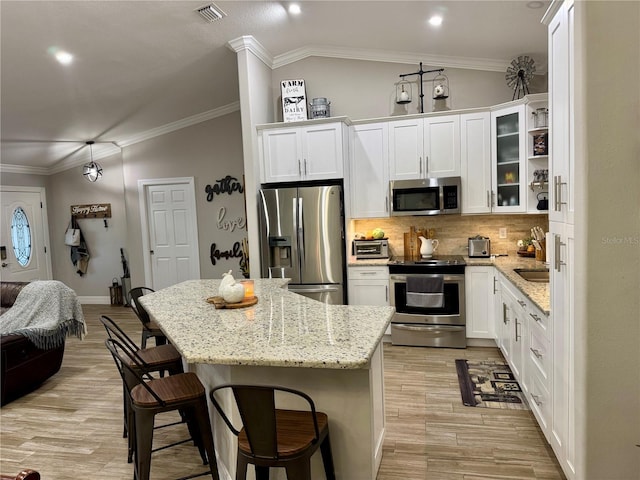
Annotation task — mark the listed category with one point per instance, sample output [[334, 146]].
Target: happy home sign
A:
[[95, 210]]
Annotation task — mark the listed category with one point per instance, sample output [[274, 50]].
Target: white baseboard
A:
[[95, 300]]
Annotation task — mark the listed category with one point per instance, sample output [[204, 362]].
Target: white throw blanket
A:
[[46, 312]]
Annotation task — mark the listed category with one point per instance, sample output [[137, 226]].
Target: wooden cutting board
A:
[[219, 302]]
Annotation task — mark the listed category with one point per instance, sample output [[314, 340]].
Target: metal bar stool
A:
[[271, 437], [154, 359], [149, 397], [149, 327]]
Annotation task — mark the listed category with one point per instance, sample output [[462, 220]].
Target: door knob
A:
[[4, 264]]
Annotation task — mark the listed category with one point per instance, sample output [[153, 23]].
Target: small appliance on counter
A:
[[378, 248], [479, 246]]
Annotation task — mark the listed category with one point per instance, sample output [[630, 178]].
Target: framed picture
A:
[[294, 100]]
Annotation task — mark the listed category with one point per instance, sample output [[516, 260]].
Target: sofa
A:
[[24, 366]]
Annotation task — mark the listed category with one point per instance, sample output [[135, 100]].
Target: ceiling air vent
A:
[[211, 12]]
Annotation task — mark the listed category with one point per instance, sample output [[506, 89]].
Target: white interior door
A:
[[24, 235], [171, 224]]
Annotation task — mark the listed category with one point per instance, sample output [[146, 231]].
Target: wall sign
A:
[[216, 254], [226, 185], [294, 100], [229, 225], [95, 210]]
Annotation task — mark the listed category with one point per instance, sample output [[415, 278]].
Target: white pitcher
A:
[[428, 247]]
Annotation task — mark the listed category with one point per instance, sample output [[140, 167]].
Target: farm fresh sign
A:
[[294, 100]]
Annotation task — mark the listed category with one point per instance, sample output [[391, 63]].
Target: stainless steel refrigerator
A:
[[302, 238]]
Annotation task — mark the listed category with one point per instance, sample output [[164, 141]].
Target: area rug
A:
[[489, 384]]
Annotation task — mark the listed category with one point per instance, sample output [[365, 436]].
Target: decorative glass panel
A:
[[21, 236]]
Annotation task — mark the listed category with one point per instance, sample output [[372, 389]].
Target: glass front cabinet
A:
[[508, 150]]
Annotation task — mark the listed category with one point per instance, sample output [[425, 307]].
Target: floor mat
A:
[[489, 384]]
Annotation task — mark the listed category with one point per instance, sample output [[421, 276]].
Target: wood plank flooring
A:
[[71, 427]]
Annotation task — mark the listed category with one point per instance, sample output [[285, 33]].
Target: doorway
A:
[[169, 231], [24, 235]]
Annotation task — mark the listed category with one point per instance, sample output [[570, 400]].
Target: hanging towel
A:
[[425, 292]]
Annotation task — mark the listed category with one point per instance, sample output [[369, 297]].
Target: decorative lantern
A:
[[403, 92], [440, 87]]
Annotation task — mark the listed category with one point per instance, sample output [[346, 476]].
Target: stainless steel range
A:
[[429, 298]]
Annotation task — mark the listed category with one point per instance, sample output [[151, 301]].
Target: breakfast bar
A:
[[331, 352]]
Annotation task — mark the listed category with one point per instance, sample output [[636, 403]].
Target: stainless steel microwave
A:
[[427, 196]]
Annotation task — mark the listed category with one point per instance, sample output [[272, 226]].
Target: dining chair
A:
[[272, 437], [149, 327], [150, 396], [153, 359]]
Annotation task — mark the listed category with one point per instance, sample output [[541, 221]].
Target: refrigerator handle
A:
[[300, 228]]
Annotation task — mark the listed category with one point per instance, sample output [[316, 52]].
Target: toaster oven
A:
[[371, 248], [479, 246]]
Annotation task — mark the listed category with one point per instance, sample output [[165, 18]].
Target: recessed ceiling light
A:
[[535, 4], [436, 20], [294, 9], [65, 58]]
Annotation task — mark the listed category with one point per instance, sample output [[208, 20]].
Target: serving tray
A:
[[219, 302]]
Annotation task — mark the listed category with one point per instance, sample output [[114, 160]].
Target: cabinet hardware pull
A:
[[488, 198], [557, 190], [305, 167], [368, 273], [299, 168], [535, 399], [505, 319], [420, 163], [386, 292], [536, 352], [495, 281], [535, 317], [518, 336], [557, 243]]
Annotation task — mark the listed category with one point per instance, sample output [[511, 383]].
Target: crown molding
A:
[[117, 146], [248, 42], [180, 124], [4, 168], [486, 64]]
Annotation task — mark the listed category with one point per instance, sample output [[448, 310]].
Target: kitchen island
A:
[[331, 352]]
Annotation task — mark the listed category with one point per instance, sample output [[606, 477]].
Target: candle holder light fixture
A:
[[420, 73], [92, 171], [403, 92]]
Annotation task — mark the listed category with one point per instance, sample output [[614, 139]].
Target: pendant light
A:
[[92, 171]]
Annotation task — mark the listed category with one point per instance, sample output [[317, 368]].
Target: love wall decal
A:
[[229, 225], [226, 185]]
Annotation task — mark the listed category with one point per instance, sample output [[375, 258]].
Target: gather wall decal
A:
[[226, 185]]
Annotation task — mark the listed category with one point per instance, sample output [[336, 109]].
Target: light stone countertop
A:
[[537, 292], [283, 329]]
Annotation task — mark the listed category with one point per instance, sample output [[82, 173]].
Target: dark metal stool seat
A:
[[149, 327], [272, 437], [181, 392]]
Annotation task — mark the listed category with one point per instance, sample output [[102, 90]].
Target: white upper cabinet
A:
[[369, 170], [424, 147], [310, 152], [561, 108], [508, 151], [406, 156], [475, 162], [442, 146]]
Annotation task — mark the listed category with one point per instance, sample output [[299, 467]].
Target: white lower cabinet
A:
[[479, 300], [368, 285]]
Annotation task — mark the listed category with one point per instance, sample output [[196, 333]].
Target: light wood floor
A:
[[71, 427]]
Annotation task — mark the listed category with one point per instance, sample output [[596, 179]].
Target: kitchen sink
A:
[[530, 275]]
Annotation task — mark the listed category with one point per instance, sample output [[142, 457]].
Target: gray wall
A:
[[361, 89], [207, 151]]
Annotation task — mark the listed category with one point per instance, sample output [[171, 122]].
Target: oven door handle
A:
[[433, 329]]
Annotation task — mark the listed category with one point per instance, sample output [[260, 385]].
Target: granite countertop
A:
[[283, 329], [537, 292]]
